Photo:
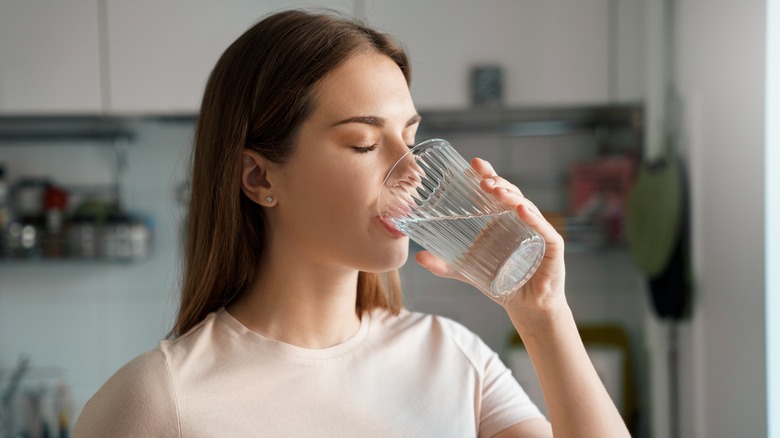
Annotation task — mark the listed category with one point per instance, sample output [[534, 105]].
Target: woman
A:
[[286, 326]]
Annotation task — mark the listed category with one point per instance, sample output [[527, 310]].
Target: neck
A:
[[300, 302]]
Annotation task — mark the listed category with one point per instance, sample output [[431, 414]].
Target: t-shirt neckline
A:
[[293, 350]]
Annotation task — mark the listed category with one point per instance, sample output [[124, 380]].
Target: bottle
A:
[[55, 200]]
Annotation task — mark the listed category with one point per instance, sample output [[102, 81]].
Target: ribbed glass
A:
[[433, 196]]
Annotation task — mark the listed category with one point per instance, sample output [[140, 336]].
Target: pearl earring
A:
[[269, 199]]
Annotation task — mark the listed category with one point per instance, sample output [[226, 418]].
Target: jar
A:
[[82, 238]]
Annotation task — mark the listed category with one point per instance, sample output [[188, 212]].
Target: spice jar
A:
[[55, 200]]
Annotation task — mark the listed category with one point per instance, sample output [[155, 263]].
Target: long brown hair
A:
[[257, 96]]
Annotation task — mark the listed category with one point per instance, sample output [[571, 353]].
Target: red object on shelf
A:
[[600, 190], [55, 198]]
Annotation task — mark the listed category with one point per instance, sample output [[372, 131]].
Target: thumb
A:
[[435, 265]]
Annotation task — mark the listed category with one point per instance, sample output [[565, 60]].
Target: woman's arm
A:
[[577, 402]]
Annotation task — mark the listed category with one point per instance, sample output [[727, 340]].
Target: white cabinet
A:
[[154, 56], [552, 51], [49, 57], [119, 57], [161, 52]]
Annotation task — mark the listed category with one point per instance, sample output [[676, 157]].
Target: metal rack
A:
[[115, 134], [19, 129], [532, 121]]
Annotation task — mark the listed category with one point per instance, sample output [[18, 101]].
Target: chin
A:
[[398, 263], [389, 260]]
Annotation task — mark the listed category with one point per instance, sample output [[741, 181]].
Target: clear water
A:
[[486, 248]]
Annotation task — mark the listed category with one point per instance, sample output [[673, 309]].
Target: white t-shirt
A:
[[409, 375]]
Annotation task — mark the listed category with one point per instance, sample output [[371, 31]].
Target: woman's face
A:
[[364, 120]]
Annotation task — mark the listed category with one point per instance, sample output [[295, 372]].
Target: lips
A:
[[391, 228]]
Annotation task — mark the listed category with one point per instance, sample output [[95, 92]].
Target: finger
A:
[[531, 215], [491, 184], [490, 180], [482, 167], [435, 265], [511, 198]]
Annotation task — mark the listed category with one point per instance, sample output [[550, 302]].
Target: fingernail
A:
[[490, 181]]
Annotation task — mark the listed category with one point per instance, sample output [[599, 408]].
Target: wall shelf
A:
[[77, 128], [503, 121], [531, 121], [23, 129]]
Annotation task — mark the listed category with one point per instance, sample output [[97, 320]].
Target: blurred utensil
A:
[[8, 394]]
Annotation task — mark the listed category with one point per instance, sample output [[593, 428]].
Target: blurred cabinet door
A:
[[552, 51], [161, 52], [49, 57]]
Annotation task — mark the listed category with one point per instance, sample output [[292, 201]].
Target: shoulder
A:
[[500, 401], [469, 343], [138, 400], [409, 319], [438, 330]]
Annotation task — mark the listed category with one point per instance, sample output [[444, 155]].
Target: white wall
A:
[[720, 77], [772, 217]]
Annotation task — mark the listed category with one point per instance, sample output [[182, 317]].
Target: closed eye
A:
[[364, 149]]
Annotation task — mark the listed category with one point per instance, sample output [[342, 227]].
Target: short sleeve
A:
[[138, 400], [502, 402]]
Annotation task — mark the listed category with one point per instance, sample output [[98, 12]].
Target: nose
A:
[[394, 151], [399, 148]]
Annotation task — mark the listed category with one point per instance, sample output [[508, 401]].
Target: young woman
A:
[[291, 321]]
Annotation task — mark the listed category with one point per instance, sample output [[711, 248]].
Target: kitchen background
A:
[[98, 97]]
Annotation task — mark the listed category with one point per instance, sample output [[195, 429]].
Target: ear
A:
[[255, 181]]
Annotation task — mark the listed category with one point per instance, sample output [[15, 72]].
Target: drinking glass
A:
[[433, 196]]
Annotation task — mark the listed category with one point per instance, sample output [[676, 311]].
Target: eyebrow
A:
[[375, 121]]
